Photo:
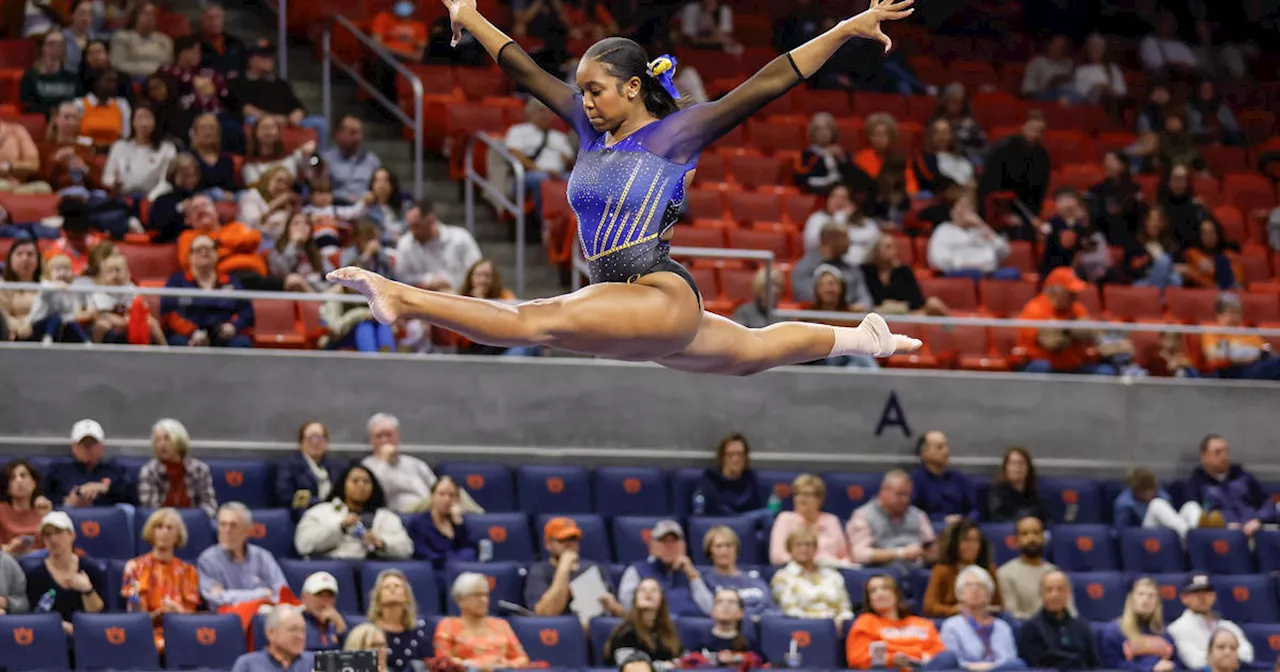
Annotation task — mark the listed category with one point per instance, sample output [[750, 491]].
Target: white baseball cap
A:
[[318, 583], [58, 519], [87, 428]]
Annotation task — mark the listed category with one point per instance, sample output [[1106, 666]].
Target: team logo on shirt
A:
[[906, 632]]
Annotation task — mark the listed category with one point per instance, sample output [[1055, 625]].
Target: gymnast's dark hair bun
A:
[[625, 59]]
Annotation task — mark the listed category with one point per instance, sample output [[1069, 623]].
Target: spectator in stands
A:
[[1137, 640], [13, 586], [824, 164], [141, 49], [260, 92], [76, 585], [806, 589], [265, 150], [326, 628], [888, 530], [1207, 264], [840, 208], [438, 533], [405, 37], [394, 610], [1211, 120], [966, 247], [882, 138], [1020, 580], [77, 240], [79, 31], [47, 83], [1171, 358], [268, 204], [158, 583], [296, 259], [22, 506], [830, 295], [807, 494], [731, 488], [668, 563], [1174, 145], [387, 208], [904, 640], [1237, 355], [330, 218], [173, 478], [87, 478], [1116, 203], [1225, 60], [19, 161], [720, 545], [38, 18], [963, 545], [647, 629], [1225, 651], [1054, 637], [113, 303], [23, 263], [1184, 209], [939, 490], [474, 638], [832, 253], [1049, 76], [351, 166], [66, 158], [1146, 504], [1219, 486], [725, 640], [367, 637], [545, 152], [708, 24], [1149, 258], [938, 159], [433, 255], [1021, 164], [285, 651], [1151, 113], [1098, 80], [1163, 51], [235, 246], [167, 218], [217, 322], [355, 524], [96, 58], [307, 477], [407, 481], [136, 164], [1060, 350], [201, 89], [892, 284], [757, 314], [1071, 240], [221, 51], [1193, 631], [547, 587], [979, 640], [483, 281], [970, 139], [236, 571], [217, 169], [1016, 490], [351, 325]]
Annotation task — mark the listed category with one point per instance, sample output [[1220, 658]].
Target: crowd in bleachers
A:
[[719, 566]]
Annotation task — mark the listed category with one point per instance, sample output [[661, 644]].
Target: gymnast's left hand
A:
[[867, 24], [459, 12]]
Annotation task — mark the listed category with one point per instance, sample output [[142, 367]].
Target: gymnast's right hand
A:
[[459, 12]]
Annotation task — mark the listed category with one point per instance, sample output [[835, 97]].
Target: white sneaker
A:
[[46, 341]]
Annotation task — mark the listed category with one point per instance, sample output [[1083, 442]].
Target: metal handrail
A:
[[764, 256], [331, 60], [281, 8], [839, 317], [516, 207]]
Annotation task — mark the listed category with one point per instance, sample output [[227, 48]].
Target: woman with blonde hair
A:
[[721, 547], [1138, 640], [807, 494], [805, 588], [646, 629], [393, 609], [174, 478], [892, 284], [266, 206], [474, 638], [757, 314], [158, 583], [367, 637]]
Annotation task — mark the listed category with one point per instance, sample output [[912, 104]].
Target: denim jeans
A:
[[1161, 274], [1043, 366], [369, 336]]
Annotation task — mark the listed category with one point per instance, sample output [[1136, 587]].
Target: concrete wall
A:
[[605, 412]]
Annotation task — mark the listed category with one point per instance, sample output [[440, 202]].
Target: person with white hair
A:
[[235, 571], [981, 641], [173, 478], [286, 645], [405, 479], [474, 638], [544, 151]]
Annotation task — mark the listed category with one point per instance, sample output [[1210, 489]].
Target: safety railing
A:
[[497, 194], [281, 8], [763, 256], [1100, 325], [331, 60]]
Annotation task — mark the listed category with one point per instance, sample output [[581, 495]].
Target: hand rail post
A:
[[326, 76], [282, 37]]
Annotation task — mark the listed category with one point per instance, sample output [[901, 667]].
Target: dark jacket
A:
[[1006, 504], [1018, 166], [1239, 497], [68, 473], [730, 498], [430, 544], [293, 474], [1061, 643]]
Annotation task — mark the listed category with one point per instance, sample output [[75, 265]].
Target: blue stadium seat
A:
[[598, 632], [594, 544], [421, 576], [509, 533], [1099, 595], [491, 485], [548, 489], [33, 642], [202, 641], [1265, 638], [631, 537], [631, 491], [1110, 490], [297, 571], [103, 532], [115, 584], [506, 582], [855, 582], [1072, 500], [1003, 538], [1247, 598], [132, 463], [846, 492], [1266, 543], [1151, 550], [250, 482], [1219, 551], [816, 640], [115, 642], [1084, 548], [684, 482], [201, 532], [1170, 588], [775, 482], [558, 640], [749, 552], [273, 531], [695, 634]]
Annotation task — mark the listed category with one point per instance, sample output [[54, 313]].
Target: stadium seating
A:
[[816, 641], [33, 642], [1084, 548], [1150, 550], [419, 575], [547, 489], [1099, 596], [202, 641], [114, 642], [103, 532], [297, 571], [1219, 551], [490, 485], [558, 640], [631, 491], [508, 533]]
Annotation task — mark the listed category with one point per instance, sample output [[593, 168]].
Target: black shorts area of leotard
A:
[[672, 266]]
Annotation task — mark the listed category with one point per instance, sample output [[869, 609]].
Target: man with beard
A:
[[1020, 577]]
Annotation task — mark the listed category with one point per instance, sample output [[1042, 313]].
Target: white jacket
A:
[[952, 248], [1190, 633], [320, 533]]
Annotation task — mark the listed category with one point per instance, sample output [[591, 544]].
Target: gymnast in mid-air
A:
[[638, 152]]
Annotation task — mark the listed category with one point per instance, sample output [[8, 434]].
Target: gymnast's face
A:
[[607, 100]]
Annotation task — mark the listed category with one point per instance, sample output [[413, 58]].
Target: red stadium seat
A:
[[1233, 223], [775, 136], [1222, 160], [17, 54], [738, 285], [960, 294], [736, 137], [923, 358], [708, 282], [150, 262], [1022, 256], [705, 203], [24, 209], [1091, 301], [969, 348], [975, 75], [481, 83], [1133, 303], [1191, 306], [1068, 147], [1253, 259], [712, 168], [1082, 176], [752, 207], [692, 236], [1208, 191], [275, 324], [1006, 299], [1260, 308], [1248, 191], [796, 208], [756, 171], [866, 104], [752, 239], [812, 101], [997, 108]]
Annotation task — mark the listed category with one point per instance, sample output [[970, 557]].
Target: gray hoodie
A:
[[13, 585]]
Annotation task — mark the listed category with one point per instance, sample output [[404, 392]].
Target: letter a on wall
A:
[[893, 416]]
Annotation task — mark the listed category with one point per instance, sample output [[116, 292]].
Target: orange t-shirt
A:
[[237, 248], [1070, 358], [103, 120], [79, 260], [912, 635], [871, 161], [402, 36]]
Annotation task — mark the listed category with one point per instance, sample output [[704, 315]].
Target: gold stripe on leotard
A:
[[621, 199], [639, 214], [608, 205], [622, 247], [652, 209]]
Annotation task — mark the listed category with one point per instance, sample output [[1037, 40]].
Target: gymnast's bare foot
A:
[[886, 342], [377, 290]]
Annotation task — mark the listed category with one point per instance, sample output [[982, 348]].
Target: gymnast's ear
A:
[[632, 89]]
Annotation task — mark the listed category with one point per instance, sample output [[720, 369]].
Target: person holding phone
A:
[[887, 634]]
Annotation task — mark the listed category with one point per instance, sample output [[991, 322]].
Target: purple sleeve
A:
[[562, 98]]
